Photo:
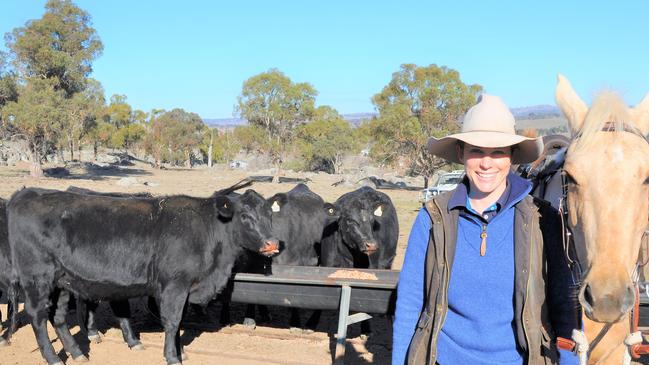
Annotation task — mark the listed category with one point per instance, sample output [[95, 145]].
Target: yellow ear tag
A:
[[378, 212], [275, 207]]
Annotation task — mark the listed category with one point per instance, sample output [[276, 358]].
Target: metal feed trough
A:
[[311, 288]]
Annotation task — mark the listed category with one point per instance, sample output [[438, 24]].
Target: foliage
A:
[[60, 46], [274, 103], [172, 136], [225, 145], [251, 138], [326, 140], [35, 117], [80, 114], [417, 103], [128, 124]]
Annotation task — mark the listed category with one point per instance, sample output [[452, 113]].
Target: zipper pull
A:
[[483, 244]]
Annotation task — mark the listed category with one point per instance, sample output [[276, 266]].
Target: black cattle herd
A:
[[176, 250]]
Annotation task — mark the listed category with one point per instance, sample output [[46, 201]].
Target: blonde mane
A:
[[608, 107]]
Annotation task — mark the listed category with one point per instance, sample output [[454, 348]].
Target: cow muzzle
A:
[[270, 248], [370, 248]]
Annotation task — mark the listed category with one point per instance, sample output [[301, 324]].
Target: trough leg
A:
[[345, 295], [58, 319], [172, 302], [122, 311]]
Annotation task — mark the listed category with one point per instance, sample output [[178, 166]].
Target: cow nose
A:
[[271, 247], [370, 247]]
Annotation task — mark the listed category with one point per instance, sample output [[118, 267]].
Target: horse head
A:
[[607, 174]]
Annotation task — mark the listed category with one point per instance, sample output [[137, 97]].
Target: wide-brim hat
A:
[[488, 124]]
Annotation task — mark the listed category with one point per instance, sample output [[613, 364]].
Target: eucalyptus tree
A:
[[417, 103], [326, 140], [273, 102], [52, 59]]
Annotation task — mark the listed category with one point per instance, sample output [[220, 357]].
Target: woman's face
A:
[[487, 169]]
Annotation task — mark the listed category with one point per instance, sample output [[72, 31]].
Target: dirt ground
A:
[[205, 341]]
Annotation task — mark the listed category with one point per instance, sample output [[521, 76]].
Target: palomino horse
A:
[[606, 171]]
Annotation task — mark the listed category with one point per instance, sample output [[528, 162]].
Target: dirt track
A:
[[206, 342]]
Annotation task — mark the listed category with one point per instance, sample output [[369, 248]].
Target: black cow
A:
[[298, 221], [121, 309], [5, 259], [105, 248], [365, 235]]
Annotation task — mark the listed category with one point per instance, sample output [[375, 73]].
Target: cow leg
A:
[[366, 330], [122, 311], [295, 320], [93, 332], [36, 304], [3, 342], [226, 296], [172, 302], [58, 319], [312, 322], [249, 320], [264, 314]]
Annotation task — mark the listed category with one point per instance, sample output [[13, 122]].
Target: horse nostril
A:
[[588, 296], [629, 299]]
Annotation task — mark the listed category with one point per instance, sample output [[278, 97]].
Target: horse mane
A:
[[608, 107]]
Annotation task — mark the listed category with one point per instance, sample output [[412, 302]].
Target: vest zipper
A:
[[527, 292], [445, 296]]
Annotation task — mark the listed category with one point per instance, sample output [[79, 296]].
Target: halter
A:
[[633, 341]]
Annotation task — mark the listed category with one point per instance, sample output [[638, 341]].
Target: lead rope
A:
[[633, 341]]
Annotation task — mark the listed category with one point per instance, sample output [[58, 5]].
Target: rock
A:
[[127, 181]]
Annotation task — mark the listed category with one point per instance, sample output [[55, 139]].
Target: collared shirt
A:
[[460, 200]]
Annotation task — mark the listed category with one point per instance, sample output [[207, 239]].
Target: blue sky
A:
[[196, 55]]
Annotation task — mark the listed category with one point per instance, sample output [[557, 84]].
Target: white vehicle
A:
[[446, 182]]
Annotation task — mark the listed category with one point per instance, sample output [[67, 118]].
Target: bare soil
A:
[[206, 342]]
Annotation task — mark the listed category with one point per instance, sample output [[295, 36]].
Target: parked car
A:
[[446, 182]]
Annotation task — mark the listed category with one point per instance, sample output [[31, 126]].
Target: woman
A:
[[485, 280]]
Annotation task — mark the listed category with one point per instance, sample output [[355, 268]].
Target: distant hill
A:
[[353, 118], [224, 122], [536, 112], [536, 116]]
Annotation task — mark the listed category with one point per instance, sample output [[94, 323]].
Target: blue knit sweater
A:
[[479, 325]]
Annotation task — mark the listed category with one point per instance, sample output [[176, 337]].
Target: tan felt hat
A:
[[488, 124]]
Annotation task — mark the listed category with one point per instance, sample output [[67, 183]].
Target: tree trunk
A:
[[71, 147], [36, 169], [209, 150], [79, 149], [95, 147]]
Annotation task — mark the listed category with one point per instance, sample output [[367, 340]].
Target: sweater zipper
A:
[[483, 243]]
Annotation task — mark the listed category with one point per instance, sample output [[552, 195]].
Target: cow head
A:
[[357, 225], [252, 219]]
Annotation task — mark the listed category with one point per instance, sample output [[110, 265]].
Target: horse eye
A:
[[569, 178], [646, 182]]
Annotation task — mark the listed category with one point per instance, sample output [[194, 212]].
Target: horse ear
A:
[[570, 104], [641, 114]]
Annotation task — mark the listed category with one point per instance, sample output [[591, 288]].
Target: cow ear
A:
[[331, 211], [277, 202], [224, 206], [378, 212]]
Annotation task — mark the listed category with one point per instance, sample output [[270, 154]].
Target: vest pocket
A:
[[420, 343]]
